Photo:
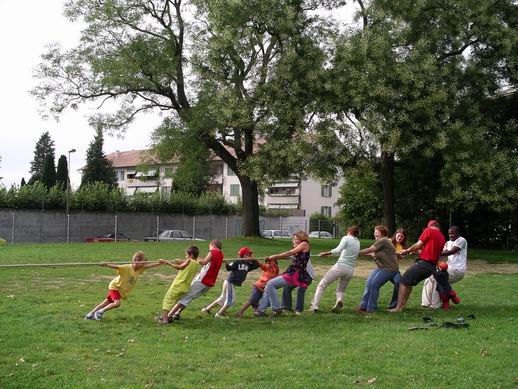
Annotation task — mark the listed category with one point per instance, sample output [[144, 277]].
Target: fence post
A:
[[226, 227], [12, 232], [116, 227], [334, 228], [319, 224], [280, 222], [306, 226], [194, 228], [68, 228], [157, 228]]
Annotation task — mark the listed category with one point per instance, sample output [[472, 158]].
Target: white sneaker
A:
[[220, 315], [98, 315], [205, 310], [89, 316]]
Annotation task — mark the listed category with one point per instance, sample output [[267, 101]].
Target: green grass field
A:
[[46, 343]]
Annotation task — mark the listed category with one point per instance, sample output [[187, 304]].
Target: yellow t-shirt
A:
[[126, 279], [398, 248], [183, 279]]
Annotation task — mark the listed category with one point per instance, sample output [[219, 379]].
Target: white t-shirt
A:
[[458, 261], [348, 248]]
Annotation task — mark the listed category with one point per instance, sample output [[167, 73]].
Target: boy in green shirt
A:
[[180, 286]]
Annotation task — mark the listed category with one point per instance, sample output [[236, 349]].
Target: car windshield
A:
[[164, 234]]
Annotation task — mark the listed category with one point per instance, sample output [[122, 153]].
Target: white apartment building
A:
[[308, 195]]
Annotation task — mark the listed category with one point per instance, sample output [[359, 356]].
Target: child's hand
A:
[[162, 261], [103, 263]]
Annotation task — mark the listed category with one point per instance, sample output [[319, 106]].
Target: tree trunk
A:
[[250, 211], [387, 180]]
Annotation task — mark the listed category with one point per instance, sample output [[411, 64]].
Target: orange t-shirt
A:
[[270, 270]]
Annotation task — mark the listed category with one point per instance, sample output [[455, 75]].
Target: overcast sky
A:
[[25, 29]]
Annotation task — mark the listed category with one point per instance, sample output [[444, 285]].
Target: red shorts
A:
[[113, 295]]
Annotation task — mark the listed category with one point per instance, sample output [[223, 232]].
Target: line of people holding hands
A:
[[192, 282]]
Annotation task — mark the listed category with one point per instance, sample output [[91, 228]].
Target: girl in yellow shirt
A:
[[121, 286]]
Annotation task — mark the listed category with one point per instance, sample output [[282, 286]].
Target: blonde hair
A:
[[301, 235], [139, 256]]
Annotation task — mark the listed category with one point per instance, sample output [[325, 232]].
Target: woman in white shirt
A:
[[343, 269]]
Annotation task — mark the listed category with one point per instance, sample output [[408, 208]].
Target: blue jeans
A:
[[395, 281], [270, 294], [286, 298], [375, 281]]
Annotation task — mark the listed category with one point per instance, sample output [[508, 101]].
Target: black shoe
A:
[[337, 307]]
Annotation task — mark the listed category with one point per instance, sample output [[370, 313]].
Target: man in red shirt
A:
[[431, 243]]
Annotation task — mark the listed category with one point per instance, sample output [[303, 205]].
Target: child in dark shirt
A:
[[238, 271], [443, 286]]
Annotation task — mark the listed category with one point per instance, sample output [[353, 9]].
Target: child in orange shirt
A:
[[270, 270]]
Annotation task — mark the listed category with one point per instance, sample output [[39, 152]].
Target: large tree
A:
[[43, 154], [98, 168], [411, 79], [230, 73]]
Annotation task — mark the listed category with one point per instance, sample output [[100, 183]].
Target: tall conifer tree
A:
[[98, 167]]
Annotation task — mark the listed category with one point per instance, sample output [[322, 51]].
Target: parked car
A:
[[108, 238], [152, 238], [320, 234], [172, 235], [276, 234]]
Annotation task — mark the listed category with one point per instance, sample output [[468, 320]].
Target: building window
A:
[[327, 190], [235, 190], [230, 172], [325, 211], [282, 191], [217, 170], [120, 175]]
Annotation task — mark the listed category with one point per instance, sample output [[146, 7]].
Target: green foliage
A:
[[100, 197], [42, 166], [49, 172], [98, 168], [361, 199], [193, 172], [96, 196], [62, 172]]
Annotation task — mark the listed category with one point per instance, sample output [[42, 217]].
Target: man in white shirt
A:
[[456, 249]]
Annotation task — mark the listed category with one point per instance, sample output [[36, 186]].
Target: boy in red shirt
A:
[[270, 270], [431, 243], [205, 279]]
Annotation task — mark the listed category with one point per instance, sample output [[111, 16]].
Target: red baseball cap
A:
[[244, 251], [433, 223], [443, 266]]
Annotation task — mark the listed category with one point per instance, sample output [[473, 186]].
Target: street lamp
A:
[[68, 177]]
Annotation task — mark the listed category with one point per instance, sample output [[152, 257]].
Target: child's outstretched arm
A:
[[107, 264], [178, 266], [205, 260], [151, 265]]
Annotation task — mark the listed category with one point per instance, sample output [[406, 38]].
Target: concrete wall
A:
[[33, 226]]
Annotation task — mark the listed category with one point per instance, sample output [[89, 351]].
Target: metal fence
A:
[[46, 226]]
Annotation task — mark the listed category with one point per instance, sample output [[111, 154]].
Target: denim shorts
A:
[[255, 297]]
